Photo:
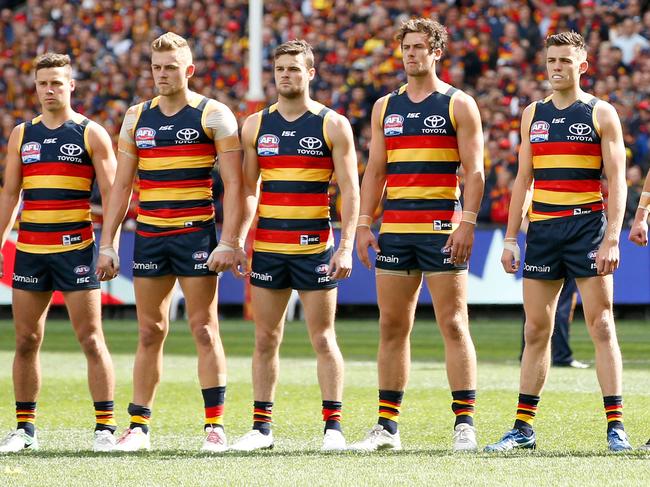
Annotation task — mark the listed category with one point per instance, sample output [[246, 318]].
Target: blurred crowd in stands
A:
[[495, 54]]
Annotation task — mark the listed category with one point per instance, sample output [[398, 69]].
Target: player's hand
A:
[[460, 243], [240, 264], [607, 258], [639, 233], [108, 263], [340, 265], [511, 256], [222, 258], [365, 239]]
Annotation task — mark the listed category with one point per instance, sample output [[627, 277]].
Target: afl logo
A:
[[393, 124], [200, 255], [592, 255], [322, 269], [435, 121], [268, 145], [31, 152], [580, 129], [187, 134], [145, 138], [81, 270], [310, 143], [539, 131], [71, 150]]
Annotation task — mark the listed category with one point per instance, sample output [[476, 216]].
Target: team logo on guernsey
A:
[[393, 124], [145, 138], [580, 132], [70, 150], [435, 121], [82, 270], [31, 152], [187, 135], [268, 145], [321, 269], [539, 131]]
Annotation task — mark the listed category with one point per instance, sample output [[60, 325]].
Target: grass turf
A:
[[570, 424]]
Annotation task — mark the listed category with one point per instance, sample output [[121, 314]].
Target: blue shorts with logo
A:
[[184, 254], [301, 272], [408, 251], [564, 247], [61, 271]]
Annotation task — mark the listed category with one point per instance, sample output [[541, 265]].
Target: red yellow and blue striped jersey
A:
[[296, 167], [422, 186], [175, 160], [57, 178], [567, 160]]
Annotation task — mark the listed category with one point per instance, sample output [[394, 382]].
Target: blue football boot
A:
[[617, 440], [511, 440]]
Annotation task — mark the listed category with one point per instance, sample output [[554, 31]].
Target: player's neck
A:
[[293, 108], [54, 119], [419, 87], [172, 104], [565, 98]]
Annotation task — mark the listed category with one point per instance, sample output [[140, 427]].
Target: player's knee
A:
[[602, 328], [204, 336], [267, 341], [153, 334], [537, 333], [28, 343], [324, 343], [454, 329], [92, 345], [394, 329]]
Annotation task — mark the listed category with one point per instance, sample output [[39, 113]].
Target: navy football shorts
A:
[[303, 272]]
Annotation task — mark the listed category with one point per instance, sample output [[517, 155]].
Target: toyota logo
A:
[[311, 143], [187, 134], [435, 121], [71, 150], [580, 129]]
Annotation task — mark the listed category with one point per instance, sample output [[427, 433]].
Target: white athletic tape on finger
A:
[[514, 248], [109, 251]]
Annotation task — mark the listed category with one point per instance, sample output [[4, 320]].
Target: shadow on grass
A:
[[177, 454]]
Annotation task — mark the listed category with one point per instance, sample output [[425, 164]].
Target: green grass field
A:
[[570, 424]]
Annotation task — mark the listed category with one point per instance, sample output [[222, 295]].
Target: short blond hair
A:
[[170, 41], [435, 32]]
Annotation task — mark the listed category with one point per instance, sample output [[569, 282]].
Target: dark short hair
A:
[[436, 33], [51, 60], [570, 38], [295, 47]]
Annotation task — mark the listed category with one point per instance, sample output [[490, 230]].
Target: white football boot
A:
[[215, 441], [17, 440], [378, 439], [464, 438], [103, 441], [133, 440], [254, 440], [333, 440]]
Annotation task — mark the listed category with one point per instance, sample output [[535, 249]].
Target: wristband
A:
[[365, 220], [363, 225], [224, 247], [109, 251], [469, 217], [644, 201]]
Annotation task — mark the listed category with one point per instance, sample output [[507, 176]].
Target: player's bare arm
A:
[[639, 230], [119, 197], [221, 121], [10, 194], [520, 200], [613, 150], [103, 158], [345, 166], [372, 186], [470, 133]]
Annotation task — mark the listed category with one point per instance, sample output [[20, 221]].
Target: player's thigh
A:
[[152, 298], [30, 311], [269, 307], [201, 299], [597, 297], [85, 311], [448, 292], [397, 296], [320, 309], [540, 300]]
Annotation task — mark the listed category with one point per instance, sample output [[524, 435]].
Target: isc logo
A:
[[288, 133], [83, 280], [413, 115], [50, 141]]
